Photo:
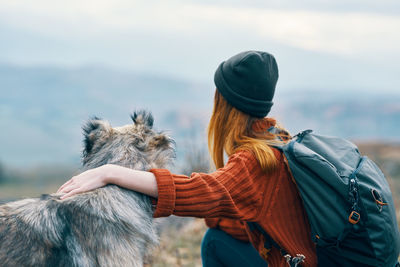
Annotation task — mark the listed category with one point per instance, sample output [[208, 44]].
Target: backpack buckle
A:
[[265, 252], [354, 217]]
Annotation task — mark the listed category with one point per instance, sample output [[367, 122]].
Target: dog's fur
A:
[[110, 226]]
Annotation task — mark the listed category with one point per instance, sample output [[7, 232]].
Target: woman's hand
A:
[[86, 181], [141, 181]]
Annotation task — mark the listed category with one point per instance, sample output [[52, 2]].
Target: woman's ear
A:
[[95, 131]]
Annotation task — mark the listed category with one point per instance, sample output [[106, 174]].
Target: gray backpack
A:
[[347, 200]]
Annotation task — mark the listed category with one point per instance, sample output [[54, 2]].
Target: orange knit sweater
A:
[[238, 192]]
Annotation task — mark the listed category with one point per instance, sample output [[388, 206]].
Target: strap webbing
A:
[[269, 242]]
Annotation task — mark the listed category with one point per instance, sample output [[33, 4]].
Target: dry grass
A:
[[180, 239], [179, 246]]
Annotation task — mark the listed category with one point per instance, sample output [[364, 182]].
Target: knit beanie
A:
[[247, 81]]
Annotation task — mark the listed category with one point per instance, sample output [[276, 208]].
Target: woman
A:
[[254, 185]]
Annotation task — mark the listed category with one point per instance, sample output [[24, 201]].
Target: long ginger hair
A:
[[230, 130]]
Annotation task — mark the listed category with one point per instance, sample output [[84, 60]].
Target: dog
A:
[[109, 226]]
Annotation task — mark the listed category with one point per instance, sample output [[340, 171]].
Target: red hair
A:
[[230, 130]]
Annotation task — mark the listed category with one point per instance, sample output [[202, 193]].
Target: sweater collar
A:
[[263, 124]]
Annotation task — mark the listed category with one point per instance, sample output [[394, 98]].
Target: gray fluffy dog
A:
[[109, 226]]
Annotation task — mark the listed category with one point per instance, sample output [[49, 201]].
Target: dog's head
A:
[[135, 145]]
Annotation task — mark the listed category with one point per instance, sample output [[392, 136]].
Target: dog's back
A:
[[110, 226]]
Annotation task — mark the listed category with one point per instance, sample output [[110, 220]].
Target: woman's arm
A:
[[234, 191], [140, 181]]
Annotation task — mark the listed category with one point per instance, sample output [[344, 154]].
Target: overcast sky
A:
[[348, 45]]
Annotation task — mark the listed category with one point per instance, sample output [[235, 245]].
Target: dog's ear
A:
[[143, 117], [94, 130], [161, 140], [162, 149]]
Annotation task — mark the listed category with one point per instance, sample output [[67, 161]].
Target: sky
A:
[[319, 44], [346, 47]]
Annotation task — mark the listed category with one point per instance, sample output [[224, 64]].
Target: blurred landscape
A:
[[42, 110], [63, 62]]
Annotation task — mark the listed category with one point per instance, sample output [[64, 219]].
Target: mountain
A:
[[355, 114], [42, 110]]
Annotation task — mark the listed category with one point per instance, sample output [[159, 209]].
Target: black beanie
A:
[[247, 81]]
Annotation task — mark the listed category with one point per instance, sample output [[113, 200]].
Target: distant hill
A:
[[43, 108], [355, 115]]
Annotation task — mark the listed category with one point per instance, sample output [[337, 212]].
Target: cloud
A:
[[349, 33], [166, 37]]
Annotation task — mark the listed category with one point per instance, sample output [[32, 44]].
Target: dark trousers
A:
[[220, 249]]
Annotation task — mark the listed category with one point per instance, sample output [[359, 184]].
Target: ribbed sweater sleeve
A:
[[232, 191]]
